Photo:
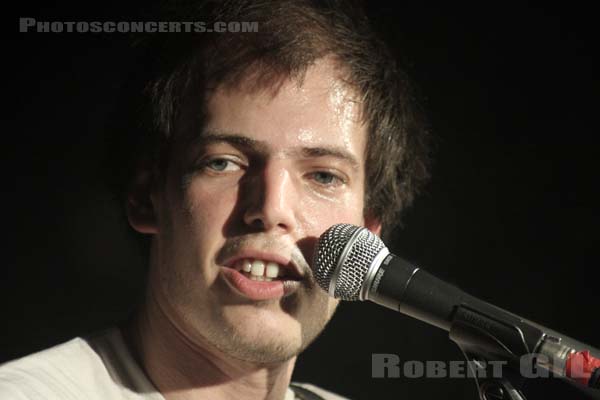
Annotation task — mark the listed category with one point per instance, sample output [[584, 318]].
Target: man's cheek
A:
[[333, 304], [325, 303]]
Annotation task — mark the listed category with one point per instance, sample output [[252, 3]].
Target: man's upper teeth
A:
[[268, 269]]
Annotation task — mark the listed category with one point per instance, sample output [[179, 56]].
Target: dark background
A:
[[510, 215]]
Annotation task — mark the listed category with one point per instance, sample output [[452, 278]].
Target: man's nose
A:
[[270, 199]]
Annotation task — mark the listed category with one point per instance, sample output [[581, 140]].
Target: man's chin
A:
[[266, 331], [264, 336], [264, 350]]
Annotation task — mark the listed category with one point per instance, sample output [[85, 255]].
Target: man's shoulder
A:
[[46, 374], [97, 367], [90, 368], [307, 391]]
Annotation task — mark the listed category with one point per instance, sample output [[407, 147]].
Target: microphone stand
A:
[[488, 335], [353, 264]]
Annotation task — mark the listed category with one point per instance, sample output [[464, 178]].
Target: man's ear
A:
[[373, 223], [141, 211]]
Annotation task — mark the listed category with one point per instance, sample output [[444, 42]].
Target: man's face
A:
[[247, 199]]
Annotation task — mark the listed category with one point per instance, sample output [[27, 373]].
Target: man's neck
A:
[[184, 370]]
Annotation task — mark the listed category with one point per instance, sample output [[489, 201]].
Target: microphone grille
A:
[[344, 254]]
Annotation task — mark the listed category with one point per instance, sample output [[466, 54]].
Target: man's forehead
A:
[[319, 105]]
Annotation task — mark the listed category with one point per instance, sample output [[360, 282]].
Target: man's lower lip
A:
[[258, 290]]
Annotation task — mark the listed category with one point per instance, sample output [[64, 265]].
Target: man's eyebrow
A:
[[330, 151], [235, 139], [262, 147]]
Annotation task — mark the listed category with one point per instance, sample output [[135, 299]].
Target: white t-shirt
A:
[[99, 367]]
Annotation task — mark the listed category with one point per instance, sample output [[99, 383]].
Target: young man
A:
[[254, 144]]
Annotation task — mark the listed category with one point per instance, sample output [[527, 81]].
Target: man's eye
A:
[[326, 178], [221, 165]]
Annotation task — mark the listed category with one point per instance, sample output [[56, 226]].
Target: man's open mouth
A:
[[266, 271]]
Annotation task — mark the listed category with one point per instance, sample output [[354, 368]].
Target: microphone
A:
[[351, 263]]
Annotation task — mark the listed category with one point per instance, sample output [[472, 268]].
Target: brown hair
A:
[[291, 36]]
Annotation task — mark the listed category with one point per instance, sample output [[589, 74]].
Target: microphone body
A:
[[352, 263], [396, 284]]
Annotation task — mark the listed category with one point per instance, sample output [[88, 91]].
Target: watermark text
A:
[[384, 365], [27, 25]]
